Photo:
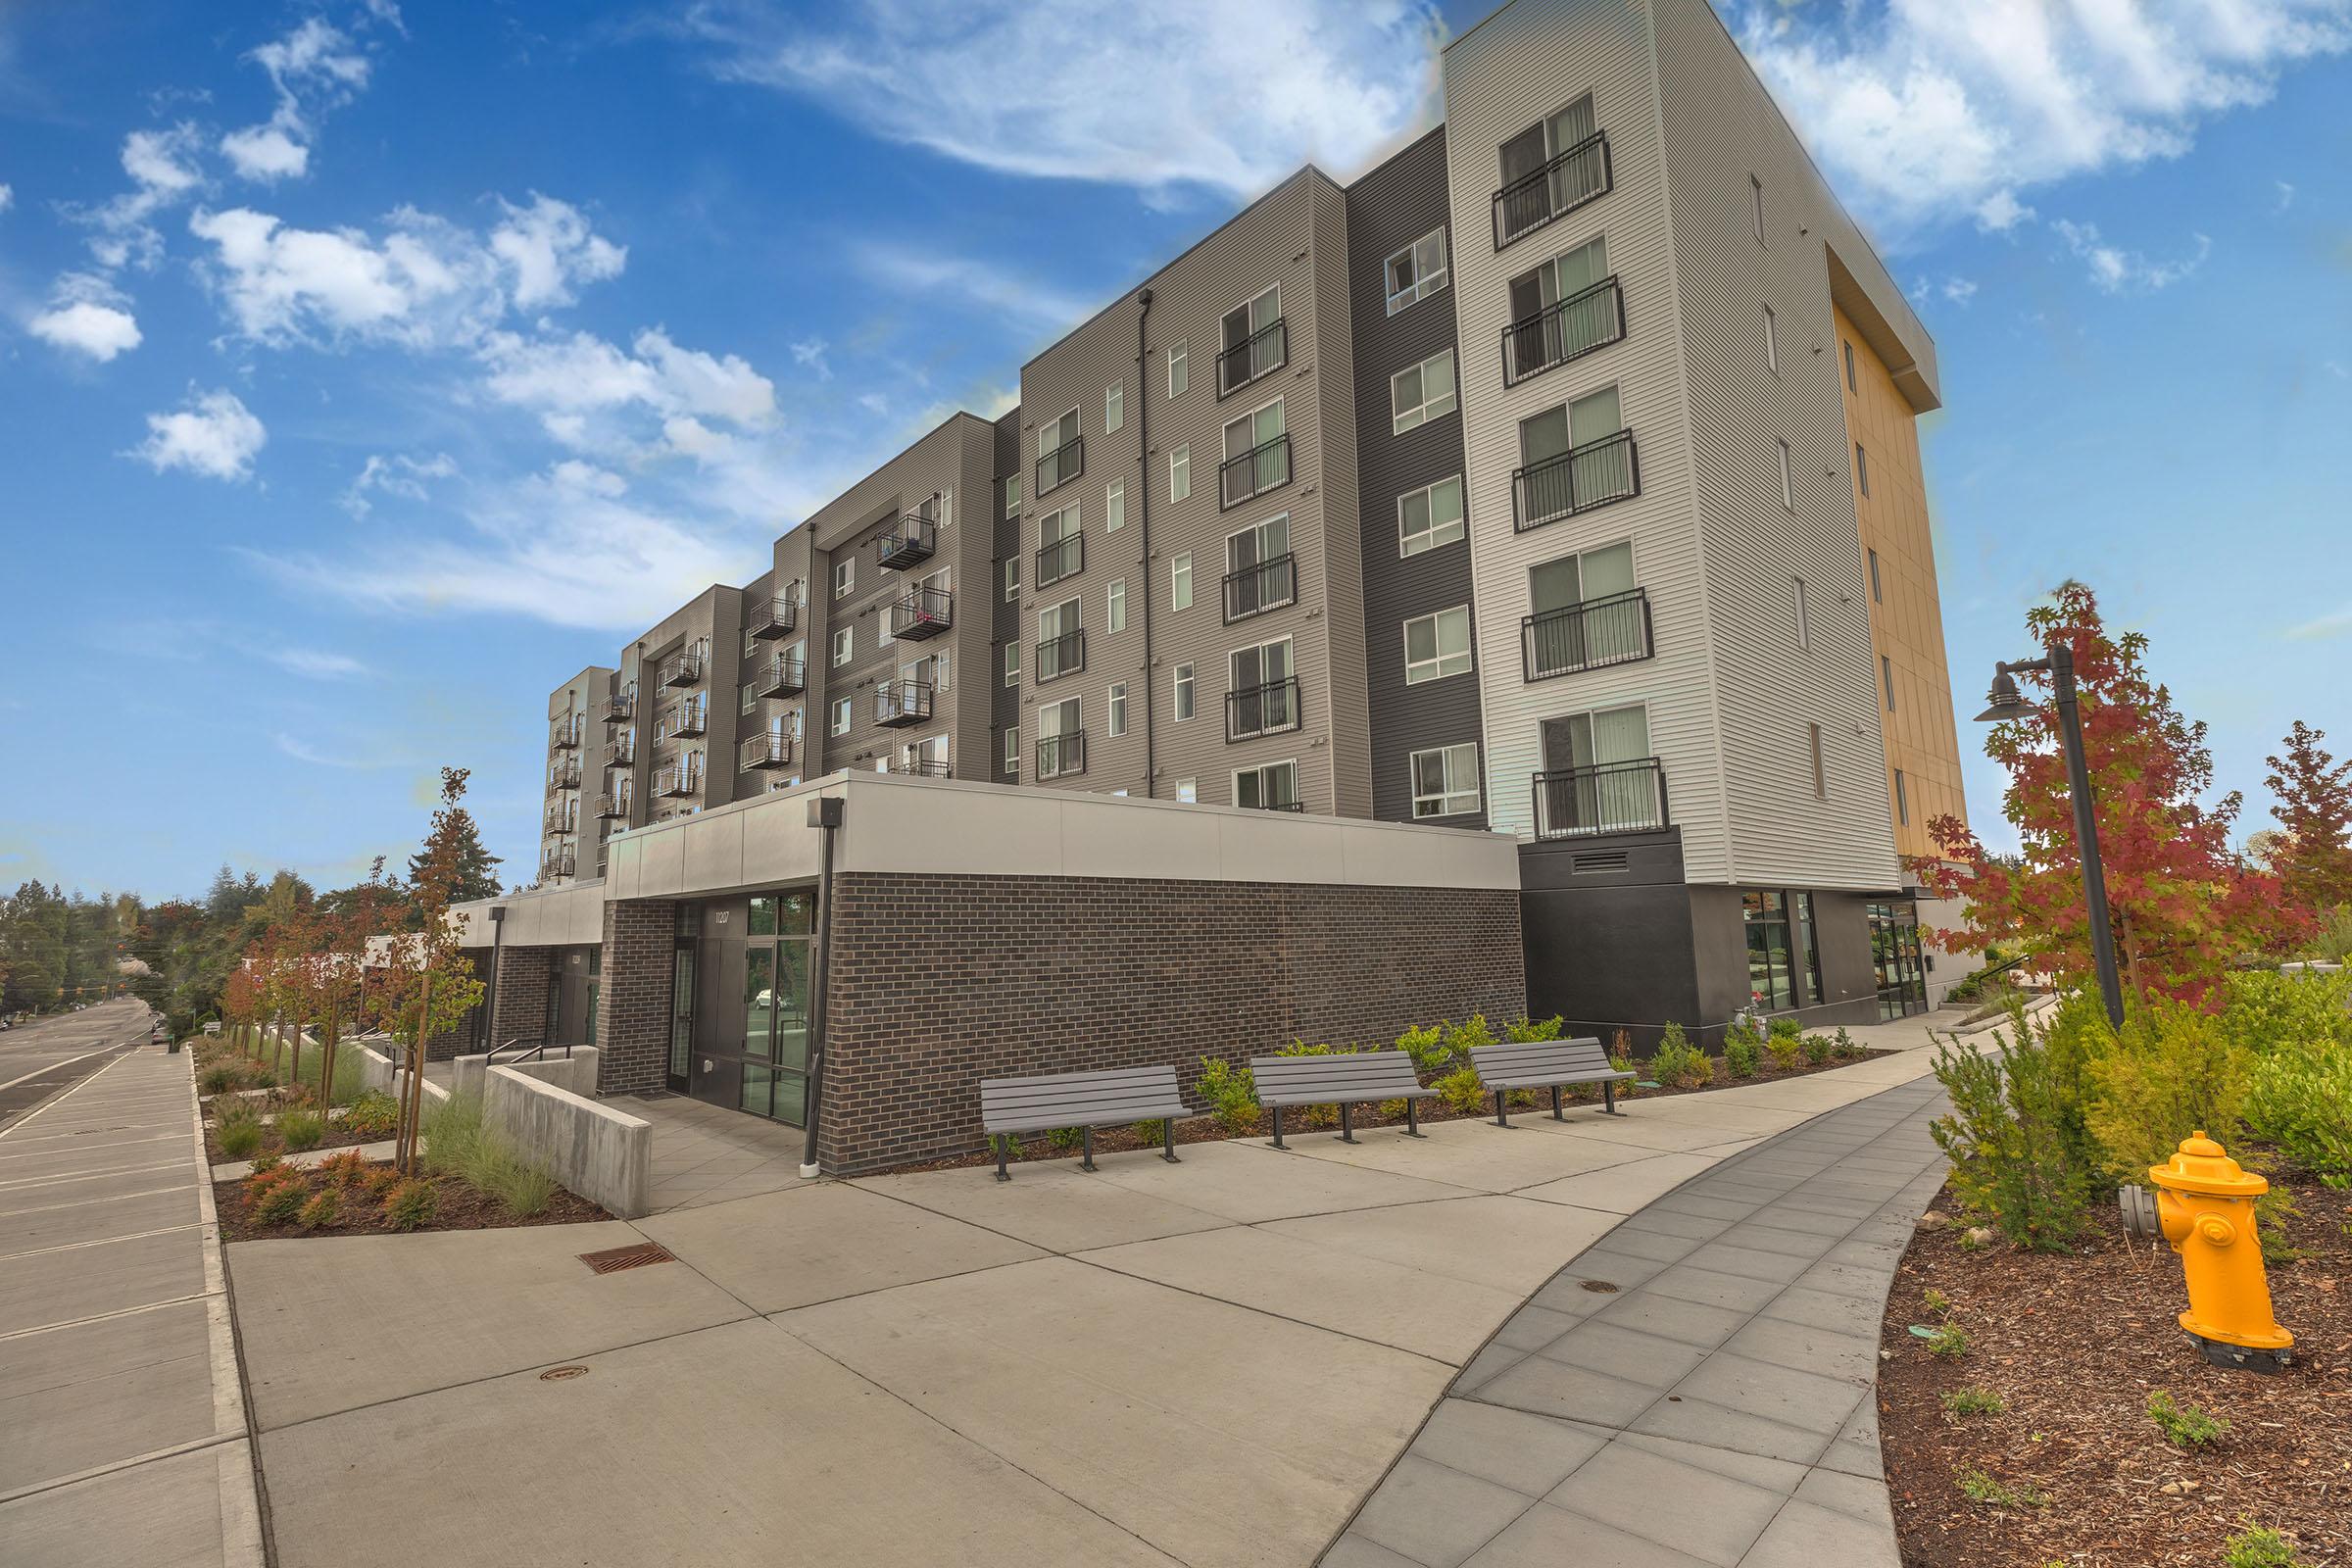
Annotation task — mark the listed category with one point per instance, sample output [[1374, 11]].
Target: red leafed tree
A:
[[2182, 904], [2314, 856]]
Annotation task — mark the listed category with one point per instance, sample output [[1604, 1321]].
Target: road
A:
[[40, 1060]]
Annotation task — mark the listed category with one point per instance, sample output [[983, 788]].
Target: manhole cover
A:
[[557, 1374], [613, 1259], [1600, 1287]]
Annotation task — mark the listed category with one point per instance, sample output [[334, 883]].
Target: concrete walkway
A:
[[124, 1420], [1213, 1362], [1697, 1389]]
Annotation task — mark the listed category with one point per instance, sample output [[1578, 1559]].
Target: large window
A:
[[1585, 612], [1771, 977], [1260, 574], [1808, 946], [1258, 455], [1273, 787], [1265, 697], [1551, 168], [1437, 646], [1060, 545], [1061, 641], [1255, 342], [1417, 272], [1445, 781], [1561, 310], [1573, 458], [1430, 517], [1060, 739], [1059, 453], [1421, 392]]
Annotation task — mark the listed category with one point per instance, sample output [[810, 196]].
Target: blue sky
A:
[[366, 370]]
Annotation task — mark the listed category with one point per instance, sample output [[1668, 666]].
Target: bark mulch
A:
[[2073, 1345], [460, 1206]]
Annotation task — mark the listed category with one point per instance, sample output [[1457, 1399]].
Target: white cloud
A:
[[691, 437], [2002, 211], [162, 170], [266, 152], [397, 476], [1959, 290], [8, 197], [214, 434], [305, 751], [812, 355], [316, 663], [2286, 195], [314, 69], [1935, 110], [567, 377], [547, 246], [2324, 628], [874, 402], [1238, 90], [1015, 296], [2113, 269], [88, 315]]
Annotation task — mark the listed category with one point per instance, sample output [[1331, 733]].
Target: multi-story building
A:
[[1556, 478]]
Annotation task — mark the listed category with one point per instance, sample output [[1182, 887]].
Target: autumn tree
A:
[[428, 984], [2182, 905], [2312, 854]]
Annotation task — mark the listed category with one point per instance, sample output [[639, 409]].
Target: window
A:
[[1862, 468], [1118, 723], [1804, 620], [1429, 517], [1060, 745], [1417, 272], [1058, 456], [1115, 611], [1061, 641], [1188, 790], [1013, 664], [1114, 507], [1180, 583], [1771, 981], [1808, 945], [1012, 748], [1437, 646], [1756, 201], [1821, 783], [1179, 368], [1184, 693], [1875, 596], [1421, 392], [843, 708], [1886, 679], [792, 724], [751, 701], [1258, 458], [1115, 406], [1180, 473], [751, 646], [1012, 496], [1012, 578], [845, 576], [1255, 343], [883, 635], [1061, 546], [843, 641], [1264, 696], [1273, 787], [1851, 385], [1772, 341], [1445, 781], [1787, 485], [1903, 799], [1556, 313], [1540, 182], [1585, 612], [1260, 572]]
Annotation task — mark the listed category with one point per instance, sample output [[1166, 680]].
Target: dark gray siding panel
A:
[[1004, 614], [1387, 208]]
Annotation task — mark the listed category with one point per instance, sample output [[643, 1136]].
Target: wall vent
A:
[[1600, 863]]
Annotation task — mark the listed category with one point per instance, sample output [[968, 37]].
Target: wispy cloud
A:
[[2324, 627], [316, 663], [2113, 269], [303, 752], [395, 475], [2285, 193], [1016, 296]]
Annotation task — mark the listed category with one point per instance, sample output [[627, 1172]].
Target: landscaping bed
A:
[[2071, 1467], [456, 1205]]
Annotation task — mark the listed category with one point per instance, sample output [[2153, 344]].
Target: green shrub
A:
[[1007, 1144], [1151, 1132], [238, 1138], [1843, 1046], [2259, 1547], [1981, 1485], [410, 1204], [301, 1128], [2184, 1425], [2300, 1099], [1528, 1029], [266, 1162], [322, 1209], [1461, 1091], [1316, 1115], [2171, 1070], [1936, 1301], [1949, 1342], [522, 1187], [1786, 1051], [1064, 1139], [1784, 1029], [2266, 1011], [1432, 1057], [1231, 1093], [1677, 1064], [1742, 1051], [221, 1078], [1972, 1401], [2013, 1167], [1621, 1059], [373, 1114], [1817, 1049], [279, 1203], [1459, 1039]]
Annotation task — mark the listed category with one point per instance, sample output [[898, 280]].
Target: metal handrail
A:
[[1605, 798], [902, 700], [1271, 583], [1067, 750], [1272, 708], [1268, 467], [921, 612], [1550, 338], [1060, 656], [1612, 630], [782, 617], [785, 676], [1074, 449], [1065, 557], [1279, 356], [1527, 213], [1579, 479], [912, 538]]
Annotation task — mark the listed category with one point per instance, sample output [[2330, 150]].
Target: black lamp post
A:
[[2007, 703]]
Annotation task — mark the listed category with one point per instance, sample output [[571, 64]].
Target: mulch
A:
[[2073, 1345], [1326, 1119], [461, 1206]]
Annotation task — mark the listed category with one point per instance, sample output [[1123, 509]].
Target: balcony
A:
[[556, 863], [1566, 183], [564, 735], [614, 808], [770, 618], [682, 669], [676, 780], [1590, 319], [686, 720], [1268, 350], [1577, 480], [1268, 710], [785, 676], [1063, 557], [1268, 586], [1254, 472], [1611, 798], [621, 752], [922, 614], [1061, 755], [1061, 465], [901, 703], [564, 819], [910, 542], [620, 707], [1060, 656], [1614, 630], [920, 766], [763, 751], [563, 777]]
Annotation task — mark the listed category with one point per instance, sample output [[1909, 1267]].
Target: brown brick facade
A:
[[941, 981], [632, 1012], [518, 998]]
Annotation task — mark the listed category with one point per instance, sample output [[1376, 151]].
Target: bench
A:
[[1081, 1099], [1340, 1080], [1547, 1064]]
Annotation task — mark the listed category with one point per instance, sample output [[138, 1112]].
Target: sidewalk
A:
[[119, 1385]]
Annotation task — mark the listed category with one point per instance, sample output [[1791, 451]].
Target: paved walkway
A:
[[1694, 1390], [123, 1421], [706, 1153]]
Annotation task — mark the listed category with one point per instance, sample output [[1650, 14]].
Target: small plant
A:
[[2017, 1164], [280, 1201], [2259, 1547], [301, 1128], [1948, 1342], [1982, 1486], [343, 1169], [1459, 1039], [1461, 1091], [1938, 1303], [221, 1079], [1622, 1061], [262, 1179], [1784, 1046], [1742, 1051], [1316, 1115], [1530, 1029], [1231, 1093], [378, 1180], [1150, 1132], [373, 1116], [321, 1210], [522, 1187], [1677, 1064], [1817, 1050], [1842, 1046], [1007, 1145], [1432, 1057], [1972, 1401], [1063, 1139], [2184, 1425], [410, 1204], [239, 1138], [263, 1163]]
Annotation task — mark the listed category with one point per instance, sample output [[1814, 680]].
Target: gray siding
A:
[[1004, 614]]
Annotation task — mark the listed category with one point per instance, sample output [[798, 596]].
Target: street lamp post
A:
[[2006, 703]]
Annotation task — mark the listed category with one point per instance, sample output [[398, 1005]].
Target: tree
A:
[[2183, 905], [2312, 854], [428, 984], [476, 874]]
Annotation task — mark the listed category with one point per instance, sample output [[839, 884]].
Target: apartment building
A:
[[1556, 478]]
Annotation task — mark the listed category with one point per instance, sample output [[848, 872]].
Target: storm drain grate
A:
[[613, 1259]]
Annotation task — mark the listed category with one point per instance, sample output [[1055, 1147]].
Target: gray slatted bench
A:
[[1365, 1075], [1082, 1100], [1547, 1064]]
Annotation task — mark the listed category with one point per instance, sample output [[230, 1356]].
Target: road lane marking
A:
[[103, 1241]]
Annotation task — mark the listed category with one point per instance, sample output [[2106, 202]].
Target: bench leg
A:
[[1608, 1098], [1278, 1127], [1500, 1119], [1086, 1137], [1555, 1104], [1167, 1133], [1347, 1123], [1412, 1119], [1002, 1174]]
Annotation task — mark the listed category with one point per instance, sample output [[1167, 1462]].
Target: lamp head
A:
[[2005, 700]]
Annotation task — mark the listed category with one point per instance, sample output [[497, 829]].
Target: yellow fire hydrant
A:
[[2205, 1206]]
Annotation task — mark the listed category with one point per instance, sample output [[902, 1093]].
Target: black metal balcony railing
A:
[[686, 718], [912, 540], [774, 616], [920, 766], [1277, 805], [1060, 656], [1060, 756], [563, 777], [682, 669], [565, 735], [1614, 630], [561, 821], [620, 707], [556, 863], [1063, 557], [614, 807], [1611, 798], [677, 780], [1267, 709], [1268, 586], [1061, 465], [1577, 480], [785, 676], [1254, 472], [764, 750], [1268, 350], [1589, 319], [1566, 183], [900, 703], [621, 752], [921, 612]]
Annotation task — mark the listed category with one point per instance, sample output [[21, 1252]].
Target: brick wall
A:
[[519, 998], [941, 981], [632, 1009]]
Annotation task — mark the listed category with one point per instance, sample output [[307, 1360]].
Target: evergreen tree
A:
[[476, 874]]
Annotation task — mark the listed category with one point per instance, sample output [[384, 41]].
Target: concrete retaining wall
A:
[[377, 1071], [576, 1072], [597, 1152]]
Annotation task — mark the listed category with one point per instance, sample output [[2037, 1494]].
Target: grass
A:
[[240, 1137], [2184, 1425], [301, 1128], [458, 1143], [1972, 1401], [1983, 1487]]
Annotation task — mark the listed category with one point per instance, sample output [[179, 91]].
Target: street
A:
[[39, 1059]]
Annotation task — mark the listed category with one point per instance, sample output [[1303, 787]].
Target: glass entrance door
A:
[[749, 1042], [1900, 969], [681, 1018]]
